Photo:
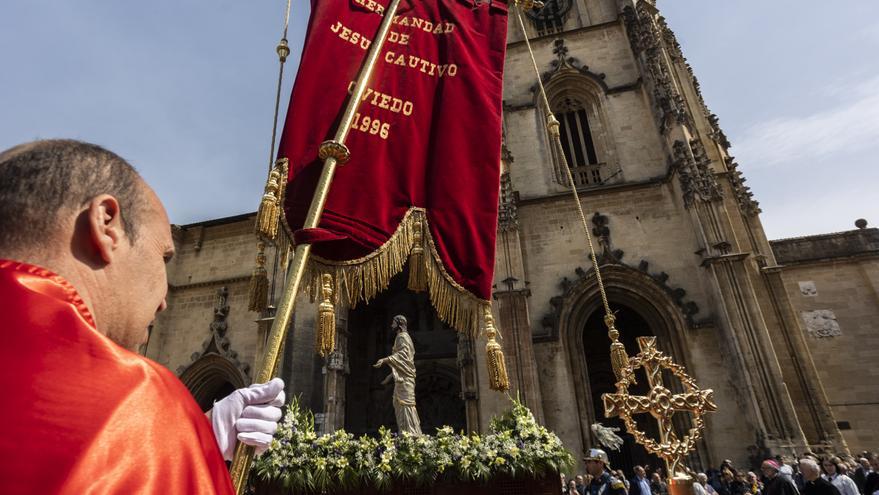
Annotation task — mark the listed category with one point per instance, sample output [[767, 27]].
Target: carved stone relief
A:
[[744, 196], [508, 210], [550, 321], [808, 289], [217, 342], [821, 323], [697, 179]]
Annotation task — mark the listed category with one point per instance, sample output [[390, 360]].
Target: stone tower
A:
[[683, 251]]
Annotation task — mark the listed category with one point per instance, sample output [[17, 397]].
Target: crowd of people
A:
[[811, 474]]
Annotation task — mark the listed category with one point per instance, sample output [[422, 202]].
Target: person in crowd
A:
[[732, 482], [871, 484], [799, 480], [83, 246], [774, 482], [639, 484], [833, 473], [581, 487], [657, 486], [572, 488], [700, 484], [753, 484], [603, 483], [861, 472], [620, 475], [564, 483], [787, 472], [814, 483]]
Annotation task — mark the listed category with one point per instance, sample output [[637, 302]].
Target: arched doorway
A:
[[644, 307], [211, 378], [602, 380]]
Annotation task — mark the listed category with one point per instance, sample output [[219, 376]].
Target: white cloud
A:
[[849, 127]]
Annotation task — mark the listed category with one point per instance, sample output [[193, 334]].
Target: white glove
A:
[[250, 415]]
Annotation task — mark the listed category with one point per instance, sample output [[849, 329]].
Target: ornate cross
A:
[[661, 403]]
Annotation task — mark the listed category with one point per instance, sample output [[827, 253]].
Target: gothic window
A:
[[551, 18], [577, 142]]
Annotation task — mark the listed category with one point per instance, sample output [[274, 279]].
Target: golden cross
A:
[[661, 403]]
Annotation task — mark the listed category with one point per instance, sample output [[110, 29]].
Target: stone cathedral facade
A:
[[784, 331]]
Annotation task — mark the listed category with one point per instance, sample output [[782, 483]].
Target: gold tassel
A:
[[258, 294], [326, 325], [269, 214], [619, 359], [497, 367], [417, 270]]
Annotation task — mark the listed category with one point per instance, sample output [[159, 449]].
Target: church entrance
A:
[[602, 380], [438, 383]]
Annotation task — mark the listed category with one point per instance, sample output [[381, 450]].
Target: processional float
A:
[[344, 258]]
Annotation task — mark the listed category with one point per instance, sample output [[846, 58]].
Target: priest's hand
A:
[[379, 363], [249, 415]]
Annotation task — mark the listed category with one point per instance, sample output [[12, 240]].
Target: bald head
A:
[[809, 468], [84, 213], [43, 182]]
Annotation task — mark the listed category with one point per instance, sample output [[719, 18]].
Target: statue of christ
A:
[[402, 363]]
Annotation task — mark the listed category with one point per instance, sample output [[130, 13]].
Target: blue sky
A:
[[184, 89]]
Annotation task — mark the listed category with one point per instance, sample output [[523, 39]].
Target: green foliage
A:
[[301, 460]]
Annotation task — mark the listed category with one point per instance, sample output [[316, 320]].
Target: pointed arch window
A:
[[578, 144]]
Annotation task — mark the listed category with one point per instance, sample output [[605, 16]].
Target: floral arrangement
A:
[[301, 460]]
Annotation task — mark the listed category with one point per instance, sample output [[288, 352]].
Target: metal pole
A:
[[332, 151]]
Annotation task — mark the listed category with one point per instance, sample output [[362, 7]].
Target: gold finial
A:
[[334, 149], [283, 50]]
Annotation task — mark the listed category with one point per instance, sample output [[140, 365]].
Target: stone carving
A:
[[744, 196], [697, 179], [808, 289], [217, 342], [402, 364], [821, 323], [601, 231], [550, 322], [338, 361], [646, 37], [564, 63], [508, 210]]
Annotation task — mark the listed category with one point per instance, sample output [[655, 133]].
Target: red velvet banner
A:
[[427, 134]]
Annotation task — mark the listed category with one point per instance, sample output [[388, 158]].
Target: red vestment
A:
[[81, 414]]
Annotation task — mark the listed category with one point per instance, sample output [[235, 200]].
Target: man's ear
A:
[[105, 226]]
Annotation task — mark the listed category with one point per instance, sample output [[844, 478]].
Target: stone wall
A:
[[833, 281]]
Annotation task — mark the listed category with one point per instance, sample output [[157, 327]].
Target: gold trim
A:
[[362, 279]]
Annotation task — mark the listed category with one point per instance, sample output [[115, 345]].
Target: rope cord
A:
[[283, 51], [553, 125]]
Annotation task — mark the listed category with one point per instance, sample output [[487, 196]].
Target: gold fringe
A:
[[258, 294], [619, 359], [497, 366], [325, 341], [362, 279], [417, 272], [269, 214]]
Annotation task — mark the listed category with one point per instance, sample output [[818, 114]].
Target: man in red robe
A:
[[83, 243]]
